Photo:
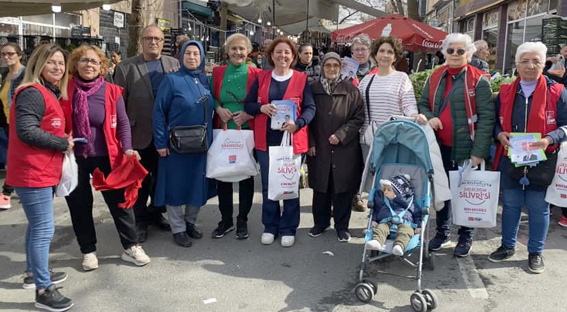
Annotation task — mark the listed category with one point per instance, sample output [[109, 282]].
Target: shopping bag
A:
[[284, 171], [69, 175], [557, 190], [475, 195], [230, 157]]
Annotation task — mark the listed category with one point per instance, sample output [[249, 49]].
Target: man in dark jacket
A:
[[480, 57], [306, 64]]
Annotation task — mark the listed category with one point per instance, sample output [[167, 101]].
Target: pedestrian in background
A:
[[480, 57], [307, 64]]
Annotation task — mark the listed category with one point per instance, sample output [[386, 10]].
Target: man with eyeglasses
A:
[[480, 57], [141, 76]]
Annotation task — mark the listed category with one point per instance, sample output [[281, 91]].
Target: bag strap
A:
[[203, 95], [368, 97]]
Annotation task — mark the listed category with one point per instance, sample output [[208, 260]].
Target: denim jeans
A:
[[538, 217], [38, 206], [275, 221]]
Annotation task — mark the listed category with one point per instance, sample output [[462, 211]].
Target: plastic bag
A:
[[69, 175]]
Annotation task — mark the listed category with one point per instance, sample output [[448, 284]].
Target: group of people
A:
[[62, 104]]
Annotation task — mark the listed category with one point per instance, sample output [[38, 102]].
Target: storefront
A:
[[114, 30]]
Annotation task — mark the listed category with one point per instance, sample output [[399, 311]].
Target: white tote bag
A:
[[69, 175], [230, 157], [475, 198], [557, 190], [284, 171]]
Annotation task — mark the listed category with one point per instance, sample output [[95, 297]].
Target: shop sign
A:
[[490, 19], [163, 24], [118, 19]]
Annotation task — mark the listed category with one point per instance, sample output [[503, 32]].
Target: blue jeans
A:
[[538, 217], [38, 206], [276, 222]]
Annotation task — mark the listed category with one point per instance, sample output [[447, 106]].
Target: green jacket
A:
[[463, 147]]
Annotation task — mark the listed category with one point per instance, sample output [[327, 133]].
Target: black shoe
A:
[[193, 232], [182, 239], [162, 224], [463, 248], [242, 232], [142, 231], [438, 242], [56, 278], [501, 254], [222, 230], [52, 300], [535, 263], [316, 231], [343, 236]]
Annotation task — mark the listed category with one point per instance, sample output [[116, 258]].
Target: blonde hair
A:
[[79, 52], [36, 64], [238, 36]]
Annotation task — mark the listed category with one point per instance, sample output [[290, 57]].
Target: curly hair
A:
[[394, 42], [81, 51], [291, 45]]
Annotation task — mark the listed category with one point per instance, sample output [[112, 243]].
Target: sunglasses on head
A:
[[451, 51]]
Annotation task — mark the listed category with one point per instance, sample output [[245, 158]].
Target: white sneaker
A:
[[267, 238], [136, 255], [397, 250], [90, 261], [374, 245], [288, 240]]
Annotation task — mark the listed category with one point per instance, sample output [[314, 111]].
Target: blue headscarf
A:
[[195, 72]]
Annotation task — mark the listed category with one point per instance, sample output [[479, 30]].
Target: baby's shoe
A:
[[374, 245], [398, 250]]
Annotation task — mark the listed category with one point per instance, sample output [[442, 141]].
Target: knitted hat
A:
[[400, 184], [330, 55]]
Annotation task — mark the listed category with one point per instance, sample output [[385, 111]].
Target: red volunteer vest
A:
[[32, 166], [543, 112], [294, 92], [218, 77], [111, 95]]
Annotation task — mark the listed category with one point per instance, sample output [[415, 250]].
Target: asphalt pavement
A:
[[316, 274]]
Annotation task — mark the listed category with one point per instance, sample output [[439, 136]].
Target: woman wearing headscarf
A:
[[183, 100], [335, 159]]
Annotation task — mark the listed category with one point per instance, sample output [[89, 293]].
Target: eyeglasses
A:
[[536, 63], [9, 54], [86, 61], [332, 66], [150, 39], [363, 50], [451, 51]]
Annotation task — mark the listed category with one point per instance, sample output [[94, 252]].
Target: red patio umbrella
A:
[[415, 36]]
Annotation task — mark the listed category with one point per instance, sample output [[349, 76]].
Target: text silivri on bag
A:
[[284, 171]]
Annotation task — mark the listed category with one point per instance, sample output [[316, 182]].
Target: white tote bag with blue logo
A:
[[284, 171], [475, 196]]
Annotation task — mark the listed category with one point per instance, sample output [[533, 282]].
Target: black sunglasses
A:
[[450, 51]]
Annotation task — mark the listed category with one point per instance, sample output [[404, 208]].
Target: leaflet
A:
[[521, 153], [286, 111]]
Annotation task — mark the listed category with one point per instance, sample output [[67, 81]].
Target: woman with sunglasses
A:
[[230, 85], [534, 104], [457, 101], [183, 100]]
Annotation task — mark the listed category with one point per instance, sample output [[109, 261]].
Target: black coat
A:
[[341, 114]]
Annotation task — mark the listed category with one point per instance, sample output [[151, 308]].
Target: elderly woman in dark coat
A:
[[335, 159]]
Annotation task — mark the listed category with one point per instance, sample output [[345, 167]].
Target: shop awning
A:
[[197, 9], [36, 7]]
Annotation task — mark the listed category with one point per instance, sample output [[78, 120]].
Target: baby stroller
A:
[[400, 146]]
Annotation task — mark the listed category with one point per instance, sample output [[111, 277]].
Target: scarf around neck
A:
[[81, 109], [329, 85]]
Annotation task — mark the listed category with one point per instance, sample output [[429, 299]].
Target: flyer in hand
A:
[[521, 153], [350, 67], [286, 110]]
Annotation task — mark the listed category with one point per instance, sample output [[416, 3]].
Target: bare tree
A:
[[347, 14], [135, 28]]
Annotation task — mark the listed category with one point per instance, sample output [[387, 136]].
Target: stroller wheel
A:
[[372, 284], [418, 302], [364, 292], [431, 299]]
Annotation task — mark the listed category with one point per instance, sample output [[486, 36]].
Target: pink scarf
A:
[[81, 109]]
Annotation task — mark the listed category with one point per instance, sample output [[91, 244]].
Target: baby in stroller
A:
[[395, 211]]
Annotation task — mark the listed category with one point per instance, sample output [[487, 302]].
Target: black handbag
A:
[[191, 139], [540, 175]]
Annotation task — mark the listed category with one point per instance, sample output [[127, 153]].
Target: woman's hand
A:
[[224, 114], [132, 152], [241, 118], [71, 143], [164, 152], [268, 109], [436, 124], [503, 138], [421, 119], [333, 140], [289, 126], [543, 143], [312, 151]]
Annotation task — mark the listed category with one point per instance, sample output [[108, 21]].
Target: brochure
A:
[[350, 68], [521, 153], [286, 110]]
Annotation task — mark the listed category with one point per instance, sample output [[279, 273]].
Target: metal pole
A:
[[273, 17], [307, 21]]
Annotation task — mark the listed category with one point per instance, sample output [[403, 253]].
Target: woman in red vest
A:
[[281, 83], [37, 142], [230, 86], [532, 104], [95, 112], [457, 101]]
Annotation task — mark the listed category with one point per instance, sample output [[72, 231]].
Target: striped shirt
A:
[[390, 95]]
